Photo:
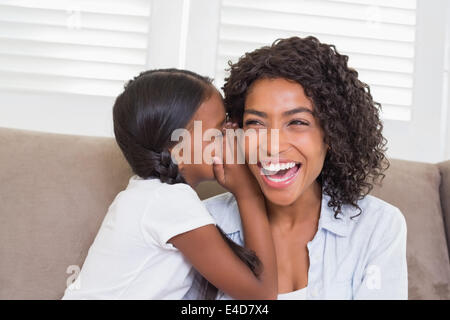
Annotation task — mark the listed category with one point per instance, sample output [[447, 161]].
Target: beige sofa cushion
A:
[[414, 188], [54, 192]]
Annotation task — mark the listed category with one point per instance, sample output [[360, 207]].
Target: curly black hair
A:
[[342, 104]]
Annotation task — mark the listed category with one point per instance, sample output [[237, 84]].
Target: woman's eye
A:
[[252, 122], [299, 123]]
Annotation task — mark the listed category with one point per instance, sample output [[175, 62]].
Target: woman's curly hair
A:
[[342, 104]]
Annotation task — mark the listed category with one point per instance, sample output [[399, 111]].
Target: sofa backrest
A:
[[414, 188], [54, 192]]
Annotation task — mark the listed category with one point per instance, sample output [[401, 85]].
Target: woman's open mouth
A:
[[279, 174]]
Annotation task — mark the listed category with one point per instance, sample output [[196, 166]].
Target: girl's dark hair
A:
[[342, 103], [152, 106]]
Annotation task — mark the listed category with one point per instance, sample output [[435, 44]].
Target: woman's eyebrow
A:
[[256, 113], [298, 110], [286, 113]]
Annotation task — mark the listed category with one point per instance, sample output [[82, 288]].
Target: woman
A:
[[332, 239]]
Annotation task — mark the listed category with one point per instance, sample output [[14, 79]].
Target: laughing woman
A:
[[332, 239]]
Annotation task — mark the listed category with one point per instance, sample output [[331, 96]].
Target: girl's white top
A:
[[130, 257]]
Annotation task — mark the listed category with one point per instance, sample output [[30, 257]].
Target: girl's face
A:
[[212, 115], [282, 104]]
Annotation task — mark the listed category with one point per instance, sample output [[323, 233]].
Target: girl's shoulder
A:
[[143, 195], [160, 190], [170, 209]]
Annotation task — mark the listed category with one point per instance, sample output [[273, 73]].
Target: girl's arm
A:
[[208, 252]]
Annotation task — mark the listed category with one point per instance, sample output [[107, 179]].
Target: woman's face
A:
[[282, 104]]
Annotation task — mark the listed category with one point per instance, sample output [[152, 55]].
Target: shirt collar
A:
[[341, 224]]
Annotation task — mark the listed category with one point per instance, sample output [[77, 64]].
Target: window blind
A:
[[378, 36], [77, 46]]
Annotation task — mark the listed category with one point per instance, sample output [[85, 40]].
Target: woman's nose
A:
[[274, 144]]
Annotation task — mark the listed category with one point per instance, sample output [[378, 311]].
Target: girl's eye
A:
[[299, 123]]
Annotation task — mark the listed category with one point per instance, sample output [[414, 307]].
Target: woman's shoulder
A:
[[376, 216], [225, 211], [376, 207]]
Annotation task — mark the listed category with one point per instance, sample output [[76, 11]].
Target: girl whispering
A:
[[157, 229]]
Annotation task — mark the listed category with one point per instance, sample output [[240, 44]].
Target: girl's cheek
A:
[[208, 152]]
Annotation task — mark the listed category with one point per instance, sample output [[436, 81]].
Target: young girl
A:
[[157, 228]]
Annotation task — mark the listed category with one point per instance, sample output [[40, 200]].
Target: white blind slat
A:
[[370, 62], [63, 18], [249, 38], [395, 80], [72, 51], [69, 68], [401, 4], [129, 7], [398, 113], [389, 95], [328, 25], [10, 30], [64, 84], [320, 8]]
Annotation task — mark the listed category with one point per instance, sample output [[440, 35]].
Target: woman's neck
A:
[[305, 210]]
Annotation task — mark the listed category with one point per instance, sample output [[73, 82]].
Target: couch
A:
[[55, 190]]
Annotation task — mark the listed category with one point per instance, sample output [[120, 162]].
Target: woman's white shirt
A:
[[363, 257], [299, 294], [130, 257]]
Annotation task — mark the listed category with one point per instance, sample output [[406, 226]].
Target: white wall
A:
[[56, 112]]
